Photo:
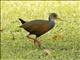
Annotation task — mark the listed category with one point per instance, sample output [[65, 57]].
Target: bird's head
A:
[[54, 16]]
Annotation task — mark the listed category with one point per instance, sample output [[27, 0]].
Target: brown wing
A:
[[37, 27]]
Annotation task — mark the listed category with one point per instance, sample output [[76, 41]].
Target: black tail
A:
[[22, 21]]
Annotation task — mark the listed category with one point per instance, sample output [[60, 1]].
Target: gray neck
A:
[[51, 22]]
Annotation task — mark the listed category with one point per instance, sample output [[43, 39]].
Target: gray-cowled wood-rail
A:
[[39, 27]]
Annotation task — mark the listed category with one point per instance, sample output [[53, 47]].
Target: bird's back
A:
[[37, 27]]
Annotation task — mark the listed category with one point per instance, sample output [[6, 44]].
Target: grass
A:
[[63, 39]]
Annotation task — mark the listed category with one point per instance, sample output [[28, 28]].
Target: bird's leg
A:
[[28, 36], [37, 43]]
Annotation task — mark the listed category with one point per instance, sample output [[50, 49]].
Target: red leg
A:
[[37, 43], [30, 37]]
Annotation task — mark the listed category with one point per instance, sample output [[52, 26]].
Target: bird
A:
[[39, 27]]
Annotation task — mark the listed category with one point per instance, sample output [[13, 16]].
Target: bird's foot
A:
[[37, 43]]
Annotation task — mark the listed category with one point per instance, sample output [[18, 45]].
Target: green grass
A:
[[16, 46]]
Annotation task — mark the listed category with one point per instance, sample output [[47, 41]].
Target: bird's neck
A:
[[51, 22]]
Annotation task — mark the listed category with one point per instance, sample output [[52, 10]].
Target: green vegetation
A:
[[63, 39]]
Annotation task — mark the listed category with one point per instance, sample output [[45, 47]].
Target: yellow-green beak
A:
[[60, 19]]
